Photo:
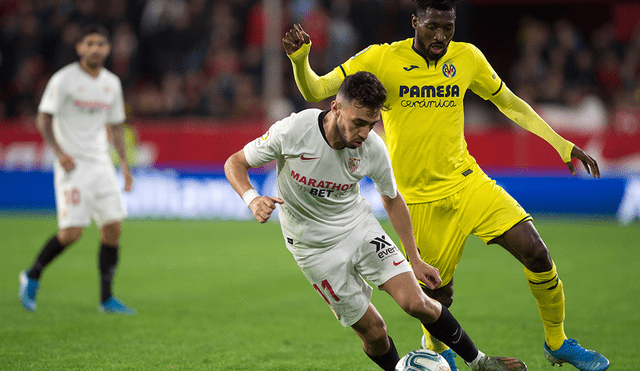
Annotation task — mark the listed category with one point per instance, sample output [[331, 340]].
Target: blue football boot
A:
[[572, 353], [115, 306], [28, 291]]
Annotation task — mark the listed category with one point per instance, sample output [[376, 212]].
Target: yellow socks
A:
[[546, 287], [433, 343]]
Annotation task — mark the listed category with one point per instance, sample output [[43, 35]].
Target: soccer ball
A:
[[423, 360]]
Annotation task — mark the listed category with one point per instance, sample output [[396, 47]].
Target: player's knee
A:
[[422, 308], [537, 258], [376, 341], [69, 236], [375, 332], [379, 334], [110, 233]]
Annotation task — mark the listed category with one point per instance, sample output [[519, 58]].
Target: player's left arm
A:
[[522, 114], [116, 133], [398, 214]]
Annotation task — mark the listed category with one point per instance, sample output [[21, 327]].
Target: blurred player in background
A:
[[330, 229], [79, 101], [448, 195]]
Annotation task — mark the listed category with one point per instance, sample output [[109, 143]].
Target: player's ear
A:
[[414, 21], [335, 107], [79, 46]]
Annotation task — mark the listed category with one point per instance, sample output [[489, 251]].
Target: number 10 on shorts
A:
[[326, 289]]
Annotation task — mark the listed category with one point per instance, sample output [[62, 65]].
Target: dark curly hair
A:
[[423, 5], [365, 90], [92, 28]]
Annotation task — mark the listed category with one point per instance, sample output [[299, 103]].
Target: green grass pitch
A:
[[225, 295]]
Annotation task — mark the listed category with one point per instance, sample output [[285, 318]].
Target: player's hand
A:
[[126, 173], [262, 207], [426, 274], [589, 163], [294, 39], [67, 162], [128, 181]]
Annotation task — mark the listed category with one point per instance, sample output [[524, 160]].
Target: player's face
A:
[[93, 50], [433, 32], [354, 123]]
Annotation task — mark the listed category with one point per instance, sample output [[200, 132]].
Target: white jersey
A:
[[81, 106], [319, 185]]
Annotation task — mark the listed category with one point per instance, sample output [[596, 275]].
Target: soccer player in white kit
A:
[[79, 101], [330, 229]]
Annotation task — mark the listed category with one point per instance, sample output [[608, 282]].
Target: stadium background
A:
[[216, 291], [201, 78]]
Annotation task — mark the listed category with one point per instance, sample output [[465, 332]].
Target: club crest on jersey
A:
[[353, 164], [448, 70]]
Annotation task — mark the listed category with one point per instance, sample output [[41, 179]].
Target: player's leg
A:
[[501, 220], [108, 256], [381, 263], [333, 272], [72, 214], [439, 235], [30, 277], [524, 242], [504, 222], [108, 212], [526, 245], [440, 323], [108, 262], [376, 343], [52, 249], [443, 294]]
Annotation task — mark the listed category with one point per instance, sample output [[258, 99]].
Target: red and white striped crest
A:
[[353, 164]]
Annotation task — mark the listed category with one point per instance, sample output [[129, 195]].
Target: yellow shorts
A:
[[441, 227]]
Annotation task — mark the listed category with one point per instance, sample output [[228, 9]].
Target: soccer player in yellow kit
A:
[[448, 195]]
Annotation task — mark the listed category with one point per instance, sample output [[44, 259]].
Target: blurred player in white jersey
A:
[[81, 102], [330, 229]]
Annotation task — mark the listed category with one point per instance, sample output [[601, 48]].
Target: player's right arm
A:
[[236, 169], [314, 88], [400, 219], [44, 122]]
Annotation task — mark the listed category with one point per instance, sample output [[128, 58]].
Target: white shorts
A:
[[338, 272], [88, 192]]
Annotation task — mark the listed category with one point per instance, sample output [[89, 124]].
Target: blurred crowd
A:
[[177, 57], [584, 77], [206, 57]]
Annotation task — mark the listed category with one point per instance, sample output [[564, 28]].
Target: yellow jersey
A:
[[425, 125]]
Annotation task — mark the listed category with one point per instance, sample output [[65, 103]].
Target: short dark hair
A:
[[94, 28], [424, 5], [364, 88]]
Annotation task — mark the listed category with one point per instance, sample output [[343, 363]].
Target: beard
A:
[[342, 136]]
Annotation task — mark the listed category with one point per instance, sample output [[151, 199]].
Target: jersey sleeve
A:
[[267, 148], [381, 172], [313, 88], [522, 114], [368, 59], [486, 82], [53, 95], [116, 113]]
